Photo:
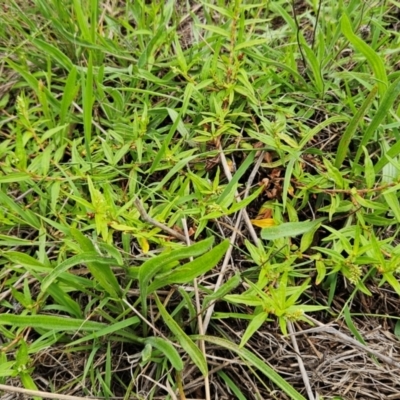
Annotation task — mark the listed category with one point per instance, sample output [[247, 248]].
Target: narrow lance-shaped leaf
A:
[[184, 340], [351, 128], [151, 267], [50, 322], [254, 361], [101, 271], [289, 229], [168, 350], [374, 60], [383, 110], [191, 270]]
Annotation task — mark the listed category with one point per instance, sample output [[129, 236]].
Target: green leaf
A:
[[168, 350], [24, 259], [83, 258], [235, 179], [14, 177], [187, 272], [184, 340], [231, 385], [215, 29], [54, 52], [255, 324], [50, 322], [388, 99], [289, 229], [351, 128], [393, 203], [116, 327], [374, 60], [255, 362], [351, 326], [101, 271], [151, 267], [70, 91], [26, 215]]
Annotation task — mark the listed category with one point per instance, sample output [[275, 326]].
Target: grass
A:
[[177, 180]]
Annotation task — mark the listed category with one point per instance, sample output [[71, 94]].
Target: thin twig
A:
[[144, 319], [300, 361], [229, 176], [328, 329], [45, 395], [146, 217], [99, 127], [242, 212], [199, 319], [298, 34]]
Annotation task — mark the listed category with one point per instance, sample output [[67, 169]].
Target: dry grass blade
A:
[[44, 395]]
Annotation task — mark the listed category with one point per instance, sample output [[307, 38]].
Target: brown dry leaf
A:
[[264, 213]]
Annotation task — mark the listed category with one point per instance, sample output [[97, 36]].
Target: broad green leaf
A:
[[289, 229], [321, 271], [184, 340]]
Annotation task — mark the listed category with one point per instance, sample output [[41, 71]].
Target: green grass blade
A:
[[50, 322], [83, 258], [255, 362], [26, 215], [88, 100], [188, 272], [289, 229], [116, 327], [387, 101], [168, 350], [55, 53], [151, 267], [374, 60], [183, 339], [351, 128], [230, 188], [102, 272]]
